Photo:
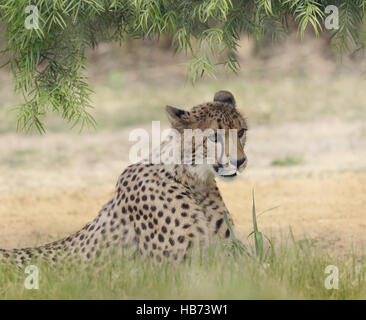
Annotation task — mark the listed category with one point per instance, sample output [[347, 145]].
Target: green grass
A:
[[292, 270], [32, 158], [288, 161]]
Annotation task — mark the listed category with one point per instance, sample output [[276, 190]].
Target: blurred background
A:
[[306, 146]]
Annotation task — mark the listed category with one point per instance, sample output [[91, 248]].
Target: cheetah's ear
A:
[[177, 117], [225, 96]]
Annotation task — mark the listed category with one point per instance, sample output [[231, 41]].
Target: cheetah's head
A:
[[218, 135]]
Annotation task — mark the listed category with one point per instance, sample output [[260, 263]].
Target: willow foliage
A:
[[48, 62]]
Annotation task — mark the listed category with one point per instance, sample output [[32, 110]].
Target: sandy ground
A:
[[52, 185]]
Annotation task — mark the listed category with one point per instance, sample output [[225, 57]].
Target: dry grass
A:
[[326, 209], [335, 220]]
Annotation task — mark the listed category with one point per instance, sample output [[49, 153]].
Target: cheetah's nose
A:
[[238, 163]]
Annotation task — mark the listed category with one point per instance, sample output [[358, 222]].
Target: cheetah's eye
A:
[[213, 137], [241, 133]]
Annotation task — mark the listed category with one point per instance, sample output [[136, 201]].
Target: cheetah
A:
[[162, 210]]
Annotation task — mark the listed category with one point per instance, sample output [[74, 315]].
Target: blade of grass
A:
[[258, 237], [237, 246]]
